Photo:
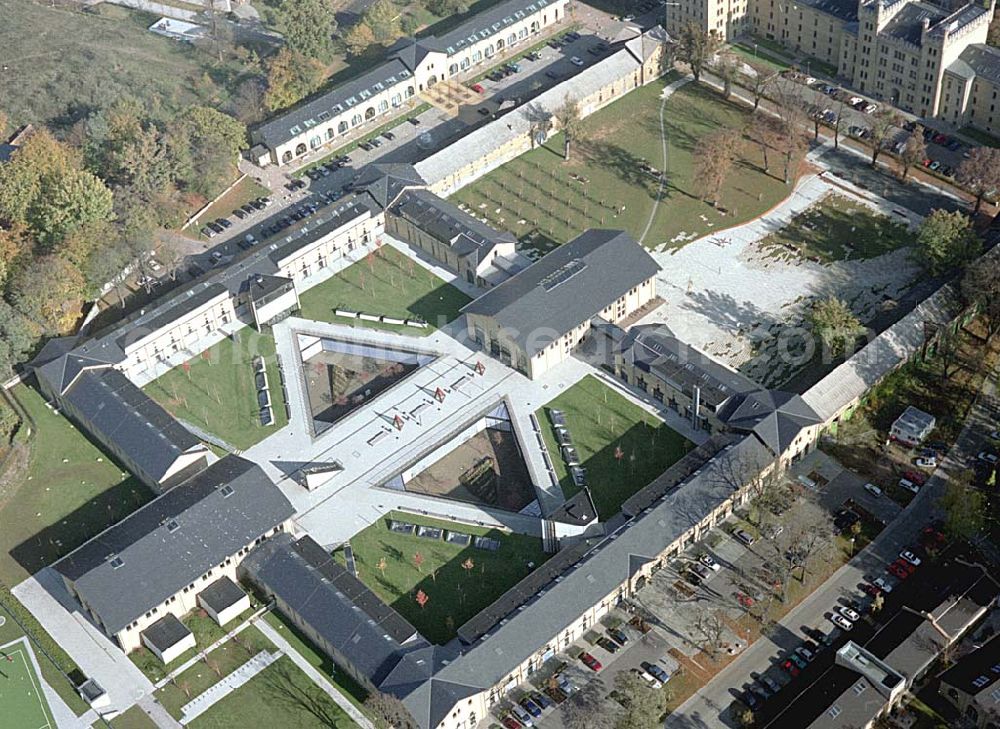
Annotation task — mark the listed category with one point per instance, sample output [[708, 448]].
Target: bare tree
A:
[[695, 47], [711, 627], [981, 288], [759, 81], [884, 122], [980, 173], [389, 712], [714, 159], [837, 122], [789, 138], [727, 69], [914, 151]]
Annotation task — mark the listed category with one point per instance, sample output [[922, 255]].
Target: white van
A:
[[908, 485], [873, 489]]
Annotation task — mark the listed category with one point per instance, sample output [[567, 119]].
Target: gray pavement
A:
[[710, 706]]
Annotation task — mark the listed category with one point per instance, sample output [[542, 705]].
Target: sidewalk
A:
[[318, 678]]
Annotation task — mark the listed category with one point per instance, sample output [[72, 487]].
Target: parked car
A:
[[710, 563], [208, 232], [791, 668], [883, 584], [607, 644], [873, 489], [618, 635], [910, 557], [908, 485], [590, 662], [531, 707], [841, 622], [744, 537], [986, 456], [701, 571], [510, 722], [478, 88], [388, 135], [896, 571], [576, 61], [916, 476], [805, 653], [750, 699], [565, 685], [848, 613], [522, 716], [659, 673], [240, 214], [924, 462], [647, 678], [224, 222]]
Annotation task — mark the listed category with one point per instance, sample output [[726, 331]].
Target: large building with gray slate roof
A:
[[391, 88], [157, 559], [533, 320]]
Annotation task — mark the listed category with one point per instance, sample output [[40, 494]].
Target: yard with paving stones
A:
[[621, 446], [216, 391], [613, 175], [458, 580], [386, 283]]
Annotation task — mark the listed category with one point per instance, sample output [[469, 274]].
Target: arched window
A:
[[431, 81], [490, 50], [409, 91], [355, 120], [523, 33], [370, 113], [534, 26], [511, 39], [300, 149], [397, 99], [329, 133], [286, 157], [315, 142], [499, 44], [453, 69], [383, 105], [342, 127], [477, 56], [465, 63]]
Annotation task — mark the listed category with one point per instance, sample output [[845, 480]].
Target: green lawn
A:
[[203, 675], [59, 63], [350, 688], [836, 229], [535, 197], [15, 615], [22, 702], [747, 52], [279, 696], [134, 718], [455, 593], [70, 492], [984, 138], [218, 392], [206, 632], [622, 446], [386, 283]]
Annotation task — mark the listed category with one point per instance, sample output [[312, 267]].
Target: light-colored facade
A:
[[970, 93], [413, 66], [813, 28], [725, 19], [179, 604]]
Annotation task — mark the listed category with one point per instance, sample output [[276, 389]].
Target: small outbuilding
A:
[[168, 638], [223, 600], [912, 427]]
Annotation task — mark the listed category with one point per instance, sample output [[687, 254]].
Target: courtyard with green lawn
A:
[[837, 229], [279, 696], [216, 390], [546, 201], [68, 491], [622, 446], [458, 581], [218, 664], [22, 702], [385, 283]]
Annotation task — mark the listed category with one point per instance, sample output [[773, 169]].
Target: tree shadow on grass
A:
[[280, 683]]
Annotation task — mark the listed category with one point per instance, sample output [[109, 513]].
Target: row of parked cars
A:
[[220, 225], [331, 166]]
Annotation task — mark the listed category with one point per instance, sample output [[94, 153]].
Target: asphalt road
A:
[[710, 706]]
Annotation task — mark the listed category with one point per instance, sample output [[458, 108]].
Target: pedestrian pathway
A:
[[213, 695], [318, 678], [157, 712]]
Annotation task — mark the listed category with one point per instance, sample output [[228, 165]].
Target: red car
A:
[[792, 669], [870, 589], [478, 88], [510, 722], [897, 571], [590, 662], [903, 564], [915, 476]]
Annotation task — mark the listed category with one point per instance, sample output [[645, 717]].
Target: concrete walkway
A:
[[229, 683], [318, 678], [157, 713], [201, 654], [98, 657]]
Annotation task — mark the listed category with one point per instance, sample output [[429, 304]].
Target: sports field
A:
[[22, 703]]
